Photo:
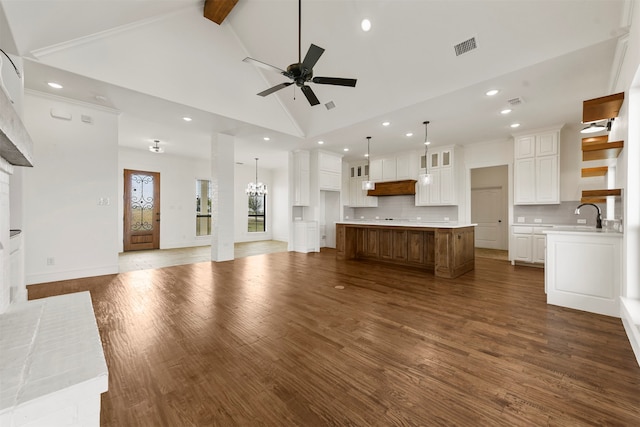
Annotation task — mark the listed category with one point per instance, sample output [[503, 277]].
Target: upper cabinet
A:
[[301, 178], [358, 197], [400, 167], [536, 168], [443, 187], [329, 171]]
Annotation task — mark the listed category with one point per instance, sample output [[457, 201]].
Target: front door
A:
[[141, 210]]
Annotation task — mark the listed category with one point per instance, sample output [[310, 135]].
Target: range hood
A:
[[394, 188]]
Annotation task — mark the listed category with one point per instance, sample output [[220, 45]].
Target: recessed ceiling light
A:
[[409, 134], [515, 125], [492, 92], [505, 111], [346, 149], [187, 119], [101, 98], [320, 142], [386, 123], [427, 143], [266, 138], [366, 154], [55, 85], [365, 25]]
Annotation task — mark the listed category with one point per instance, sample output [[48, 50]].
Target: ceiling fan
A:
[[302, 72]]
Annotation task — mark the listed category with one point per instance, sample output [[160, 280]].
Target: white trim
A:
[[630, 315], [39, 53], [72, 101], [618, 61], [34, 279]]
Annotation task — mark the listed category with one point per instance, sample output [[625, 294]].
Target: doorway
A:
[[329, 215], [489, 206], [141, 210]]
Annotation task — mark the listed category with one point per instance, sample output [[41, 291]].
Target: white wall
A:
[[75, 166], [177, 194], [280, 203]]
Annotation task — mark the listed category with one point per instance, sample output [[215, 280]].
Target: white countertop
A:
[[49, 345], [405, 223], [581, 230]]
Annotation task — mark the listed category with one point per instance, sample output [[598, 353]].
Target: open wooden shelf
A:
[[593, 200], [599, 148], [591, 172], [599, 196], [606, 107]]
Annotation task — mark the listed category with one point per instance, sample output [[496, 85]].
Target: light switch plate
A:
[[520, 219], [537, 220], [582, 221]]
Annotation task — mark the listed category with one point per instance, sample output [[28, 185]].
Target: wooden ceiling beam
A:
[[217, 10]]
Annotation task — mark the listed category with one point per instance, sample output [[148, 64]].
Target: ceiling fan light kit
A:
[[156, 148], [301, 72]]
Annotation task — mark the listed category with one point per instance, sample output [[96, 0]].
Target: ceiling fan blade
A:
[[334, 81], [274, 89], [264, 65], [313, 54], [311, 97]]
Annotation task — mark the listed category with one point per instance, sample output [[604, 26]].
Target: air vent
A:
[[330, 105], [465, 46], [515, 101]]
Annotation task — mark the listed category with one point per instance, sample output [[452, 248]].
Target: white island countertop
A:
[[405, 223]]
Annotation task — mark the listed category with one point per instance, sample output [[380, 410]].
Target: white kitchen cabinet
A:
[[528, 244], [329, 171], [357, 196], [442, 190], [536, 168], [301, 178], [401, 167], [305, 236], [584, 270]]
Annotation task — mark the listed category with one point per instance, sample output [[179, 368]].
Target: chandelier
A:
[[425, 178], [256, 188]]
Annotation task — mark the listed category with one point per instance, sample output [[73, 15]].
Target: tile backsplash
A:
[[403, 207], [561, 214]]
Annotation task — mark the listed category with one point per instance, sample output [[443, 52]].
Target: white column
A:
[[222, 211]]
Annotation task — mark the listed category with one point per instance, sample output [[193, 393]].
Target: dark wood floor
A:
[[268, 340]]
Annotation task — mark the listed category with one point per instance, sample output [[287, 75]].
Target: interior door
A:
[[141, 210], [486, 207]]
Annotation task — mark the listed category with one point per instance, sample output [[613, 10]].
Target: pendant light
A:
[[256, 188], [593, 128], [425, 178], [368, 184]]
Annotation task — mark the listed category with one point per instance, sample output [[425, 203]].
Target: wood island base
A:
[[447, 251]]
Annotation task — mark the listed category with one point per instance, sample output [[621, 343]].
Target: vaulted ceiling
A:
[[159, 61]]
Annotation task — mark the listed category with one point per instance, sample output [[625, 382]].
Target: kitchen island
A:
[[444, 248]]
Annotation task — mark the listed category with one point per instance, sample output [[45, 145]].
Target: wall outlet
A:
[[418, 218], [537, 220], [520, 219], [377, 217], [446, 218], [51, 261], [582, 221]]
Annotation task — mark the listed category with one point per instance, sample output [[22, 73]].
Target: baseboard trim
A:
[[34, 279], [630, 315]]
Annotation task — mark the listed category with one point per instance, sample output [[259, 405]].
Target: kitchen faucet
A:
[[598, 218]]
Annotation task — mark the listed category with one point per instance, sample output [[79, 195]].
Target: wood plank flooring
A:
[[269, 341]]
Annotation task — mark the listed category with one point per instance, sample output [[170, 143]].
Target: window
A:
[[203, 207], [257, 217]]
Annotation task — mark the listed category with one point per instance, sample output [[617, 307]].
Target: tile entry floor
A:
[[158, 258]]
